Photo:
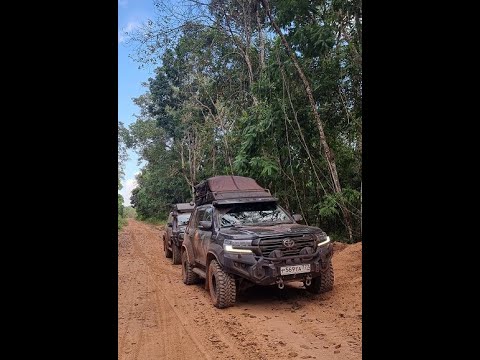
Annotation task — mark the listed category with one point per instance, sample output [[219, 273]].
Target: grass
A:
[[154, 221], [121, 222]]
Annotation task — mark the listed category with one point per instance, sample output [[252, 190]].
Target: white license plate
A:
[[295, 269]]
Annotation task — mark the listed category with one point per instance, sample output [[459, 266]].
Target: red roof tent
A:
[[230, 189]]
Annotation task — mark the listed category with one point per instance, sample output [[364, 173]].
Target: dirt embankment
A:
[[161, 318]]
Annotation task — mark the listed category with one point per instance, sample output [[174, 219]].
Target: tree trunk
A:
[[262, 42], [213, 157], [183, 169], [308, 89], [245, 55]]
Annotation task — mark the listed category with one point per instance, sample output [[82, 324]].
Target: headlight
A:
[[237, 246], [322, 240]]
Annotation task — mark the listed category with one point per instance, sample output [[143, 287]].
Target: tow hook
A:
[[308, 280], [280, 283]]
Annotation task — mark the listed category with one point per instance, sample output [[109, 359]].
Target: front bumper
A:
[[266, 271]]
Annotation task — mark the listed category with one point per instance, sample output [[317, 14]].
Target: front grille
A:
[[267, 246]]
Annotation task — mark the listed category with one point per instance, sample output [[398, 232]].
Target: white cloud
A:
[[132, 25], [127, 187]]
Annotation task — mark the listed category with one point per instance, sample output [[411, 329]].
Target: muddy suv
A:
[[238, 236], [173, 236]]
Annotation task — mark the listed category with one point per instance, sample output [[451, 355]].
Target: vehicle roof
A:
[[184, 207]]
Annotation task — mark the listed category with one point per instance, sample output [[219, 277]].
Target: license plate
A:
[[295, 269]]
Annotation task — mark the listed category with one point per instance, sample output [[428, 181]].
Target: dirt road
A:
[[161, 318]]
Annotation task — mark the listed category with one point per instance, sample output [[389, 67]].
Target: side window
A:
[[208, 214], [174, 221], [199, 217], [192, 219]]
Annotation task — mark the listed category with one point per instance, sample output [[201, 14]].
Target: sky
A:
[[131, 13]]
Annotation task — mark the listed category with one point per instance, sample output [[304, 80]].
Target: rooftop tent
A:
[[229, 189], [232, 183]]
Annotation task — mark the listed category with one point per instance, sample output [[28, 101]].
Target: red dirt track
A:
[[159, 317]]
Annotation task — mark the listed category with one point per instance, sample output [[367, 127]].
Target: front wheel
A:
[[168, 253], [324, 282], [188, 276], [222, 286]]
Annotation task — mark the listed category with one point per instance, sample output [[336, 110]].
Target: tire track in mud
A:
[[207, 338], [128, 287], [179, 321], [216, 341], [170, 331], [129, 319]]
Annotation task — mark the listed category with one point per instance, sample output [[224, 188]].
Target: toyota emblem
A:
[[288, 243]]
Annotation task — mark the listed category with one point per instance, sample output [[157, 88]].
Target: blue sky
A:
[[131, 13]]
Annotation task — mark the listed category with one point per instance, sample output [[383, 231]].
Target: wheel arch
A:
[[210, 256], [187, 247]]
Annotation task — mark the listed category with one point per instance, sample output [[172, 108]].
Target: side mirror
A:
[[297, 217], [205, 225], [169, 225]]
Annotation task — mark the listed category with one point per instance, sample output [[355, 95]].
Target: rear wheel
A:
[[222, 286], [176, 255], [168, 253], [322, 283], [188, 276]]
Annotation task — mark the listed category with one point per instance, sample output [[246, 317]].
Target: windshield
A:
[[183, 219], [253, 214]]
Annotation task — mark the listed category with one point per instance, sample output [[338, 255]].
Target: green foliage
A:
[[328, 208], [156, 192], [154, 221], [121, 222], [204, 113], [120, 211], [122, 157], [129, 212]]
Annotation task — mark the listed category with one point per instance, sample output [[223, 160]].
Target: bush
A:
[[129, 212]]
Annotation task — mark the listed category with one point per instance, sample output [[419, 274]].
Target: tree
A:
[[253, 88]]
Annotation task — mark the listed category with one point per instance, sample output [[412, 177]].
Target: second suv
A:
[[173, 236]]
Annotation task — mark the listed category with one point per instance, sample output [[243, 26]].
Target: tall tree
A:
[[250, 87]]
